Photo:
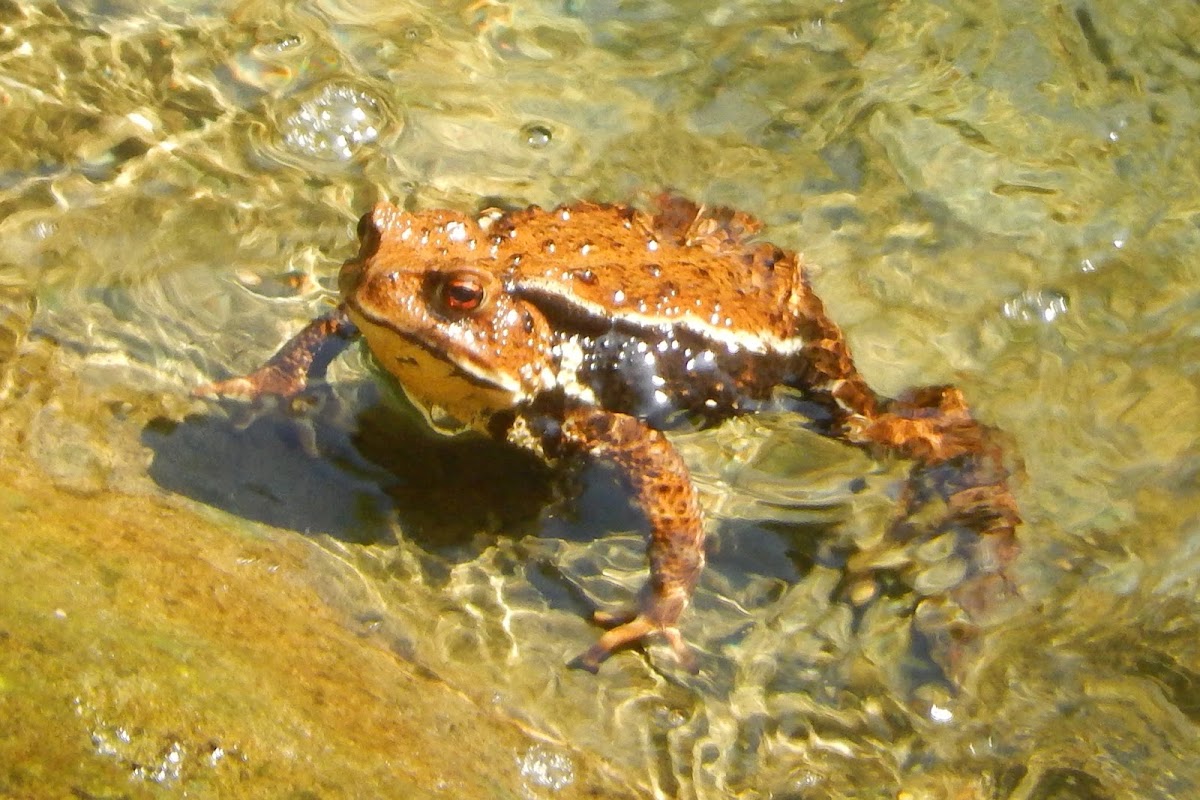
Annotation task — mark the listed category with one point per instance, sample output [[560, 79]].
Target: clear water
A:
[[996, 195]]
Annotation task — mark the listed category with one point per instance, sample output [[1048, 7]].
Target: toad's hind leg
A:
[[663, 490], [956, 460]]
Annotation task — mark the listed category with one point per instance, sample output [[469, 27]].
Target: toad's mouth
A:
[[434, 371]]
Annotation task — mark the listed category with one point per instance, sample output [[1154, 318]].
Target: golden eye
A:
[[460, 293]]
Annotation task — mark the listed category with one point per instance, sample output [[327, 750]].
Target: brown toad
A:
[[589, 329]]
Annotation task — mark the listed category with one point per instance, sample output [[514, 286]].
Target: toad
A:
[[588, 330]]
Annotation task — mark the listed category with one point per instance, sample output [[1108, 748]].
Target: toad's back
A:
[[673, 318], [620, 263]]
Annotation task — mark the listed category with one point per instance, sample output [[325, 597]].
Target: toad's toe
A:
[[633, 629]]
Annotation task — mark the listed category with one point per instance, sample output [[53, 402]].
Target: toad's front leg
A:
[[663, 489], [286, 373]]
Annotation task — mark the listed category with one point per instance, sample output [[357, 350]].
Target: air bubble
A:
[[537, 136], [543, 767], [1036, 305], [333, 123], [283, 43]]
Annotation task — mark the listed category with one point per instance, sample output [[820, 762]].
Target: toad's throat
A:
[[464, 387]]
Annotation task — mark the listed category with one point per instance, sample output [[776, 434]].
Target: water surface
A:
[[998, 196]]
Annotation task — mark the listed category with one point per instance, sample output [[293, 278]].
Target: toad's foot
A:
[[268, 379], [633, 628], [286, 373]]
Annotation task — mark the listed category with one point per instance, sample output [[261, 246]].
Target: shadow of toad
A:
[[349, 476]]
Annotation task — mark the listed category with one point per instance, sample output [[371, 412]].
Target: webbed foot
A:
[[631, 628], [269, 379], [661, 607]]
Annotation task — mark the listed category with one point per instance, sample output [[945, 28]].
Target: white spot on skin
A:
[[565, 215], [570, 359], [652, 245], [488, 218], [618, 296], [456, 231], [406, 234]]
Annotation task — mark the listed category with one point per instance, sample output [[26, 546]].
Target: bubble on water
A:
[[280, 44], [168, 769], [544, 767], [1036, 305], [333, 123], [941, 714], [536, 136], [43, 229]]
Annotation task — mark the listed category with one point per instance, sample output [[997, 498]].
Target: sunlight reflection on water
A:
[[1002, 199]]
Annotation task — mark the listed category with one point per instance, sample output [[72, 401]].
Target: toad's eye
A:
[[461, 293]]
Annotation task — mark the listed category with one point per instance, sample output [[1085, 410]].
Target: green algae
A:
[[148, 651]]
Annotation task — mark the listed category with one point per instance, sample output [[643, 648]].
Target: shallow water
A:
[[1001, 197]]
